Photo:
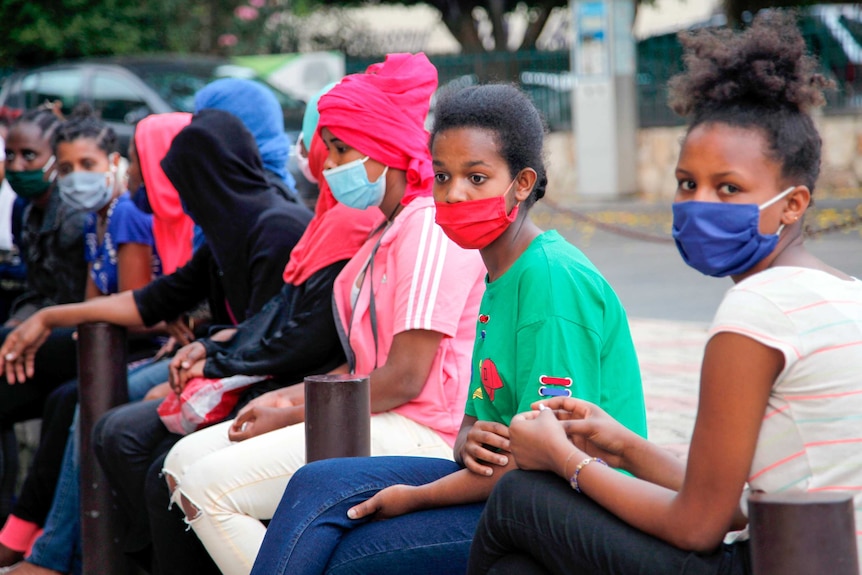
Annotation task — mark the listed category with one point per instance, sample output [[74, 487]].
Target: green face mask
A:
[[30, 183]]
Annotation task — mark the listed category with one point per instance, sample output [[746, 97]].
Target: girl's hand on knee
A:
[[487, 445], [259, 420], [390, 502]]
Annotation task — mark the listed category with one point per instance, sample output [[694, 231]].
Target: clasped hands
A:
[[561, 429]]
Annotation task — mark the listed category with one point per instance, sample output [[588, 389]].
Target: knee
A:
[[156, 492], [190, 510], [316, 472], [509, 490], [103, 431], [179, 458], [110, 436], [199, 486]]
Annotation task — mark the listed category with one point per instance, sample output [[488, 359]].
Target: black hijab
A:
[[215, 166]]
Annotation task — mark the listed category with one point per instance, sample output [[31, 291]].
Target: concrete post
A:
[[101, 385], [337, 416], [802, 533]]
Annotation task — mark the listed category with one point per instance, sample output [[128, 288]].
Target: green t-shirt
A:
[[551, 325]]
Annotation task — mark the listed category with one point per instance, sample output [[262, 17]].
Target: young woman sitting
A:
[[780, 393]]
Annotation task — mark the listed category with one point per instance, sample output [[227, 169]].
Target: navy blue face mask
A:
[[721, 239], [141, 200]]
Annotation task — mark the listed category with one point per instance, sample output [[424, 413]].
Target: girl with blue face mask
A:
[[780, 391]]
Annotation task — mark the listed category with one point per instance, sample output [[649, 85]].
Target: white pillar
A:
[[605, 105]]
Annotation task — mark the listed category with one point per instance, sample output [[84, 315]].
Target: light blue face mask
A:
[[87, 191], [350, 186]]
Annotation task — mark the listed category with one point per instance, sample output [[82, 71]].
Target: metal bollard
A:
[[337, 416], [802, 533], [101, 385]]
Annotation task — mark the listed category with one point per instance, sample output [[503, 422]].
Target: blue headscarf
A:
[[261, 113]]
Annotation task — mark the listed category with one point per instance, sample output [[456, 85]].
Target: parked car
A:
[[124, 90]]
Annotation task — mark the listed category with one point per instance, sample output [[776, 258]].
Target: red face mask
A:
[[477, 223]]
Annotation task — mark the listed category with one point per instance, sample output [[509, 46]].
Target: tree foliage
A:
[[38, 32], [464, 19]]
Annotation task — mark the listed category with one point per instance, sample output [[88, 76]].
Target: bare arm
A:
[[482, 446], [90, 290], [599, 435], [457, 488], [18, 353], [395, 383], [407, 366], [733, 399], [134, 266]]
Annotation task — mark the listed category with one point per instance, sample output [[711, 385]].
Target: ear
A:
[[524, 183], [114, 160], [797, 202]]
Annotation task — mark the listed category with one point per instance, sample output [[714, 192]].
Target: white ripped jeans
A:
[[233, 486]]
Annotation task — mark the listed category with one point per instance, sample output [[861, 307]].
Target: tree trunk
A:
[[463, 28], [534, 29], [496, 13]]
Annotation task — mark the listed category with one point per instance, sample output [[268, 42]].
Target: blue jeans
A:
[[59, 546], [311, 533]]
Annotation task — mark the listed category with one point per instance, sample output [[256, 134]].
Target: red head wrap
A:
[[335, 232], [172, 228], [382, 114]]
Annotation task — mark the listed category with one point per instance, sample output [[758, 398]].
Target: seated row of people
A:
[[500, 359], [250, 281]]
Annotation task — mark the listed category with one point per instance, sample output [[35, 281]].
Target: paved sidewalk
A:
[[670, 354]]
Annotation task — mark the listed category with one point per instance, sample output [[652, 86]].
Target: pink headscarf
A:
[[382, 114], [335, 233], [172, 228]]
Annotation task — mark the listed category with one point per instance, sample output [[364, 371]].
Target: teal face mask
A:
[[30, 183], [350, 186]]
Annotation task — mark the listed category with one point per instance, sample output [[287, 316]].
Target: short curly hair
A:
[[510, 115], [760, 78]]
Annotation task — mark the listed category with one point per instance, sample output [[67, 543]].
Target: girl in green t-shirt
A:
[[549, 325]]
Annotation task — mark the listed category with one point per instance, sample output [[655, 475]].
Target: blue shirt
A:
[[126, 224]]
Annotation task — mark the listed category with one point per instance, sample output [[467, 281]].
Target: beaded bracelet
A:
[[573, 481]]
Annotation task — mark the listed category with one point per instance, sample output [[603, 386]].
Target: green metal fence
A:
[[547, 78]]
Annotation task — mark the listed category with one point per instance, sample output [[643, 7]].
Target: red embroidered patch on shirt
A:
[[550, 380], [491, 379], [555, 386]]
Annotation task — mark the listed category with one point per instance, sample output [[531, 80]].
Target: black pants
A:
[[56, 363], [131, 444], [535, 523]]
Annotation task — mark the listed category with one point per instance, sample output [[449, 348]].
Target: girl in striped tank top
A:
[[780, 392]]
